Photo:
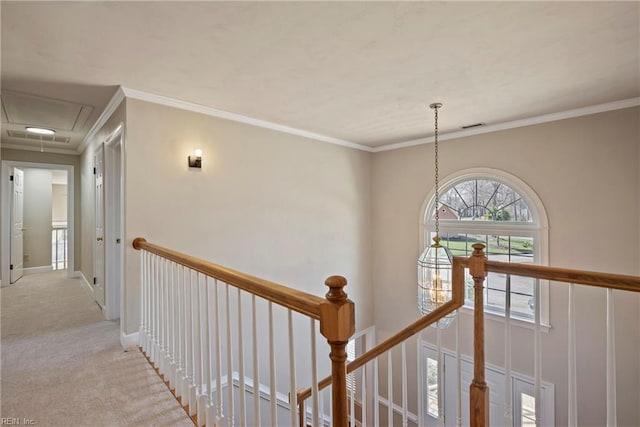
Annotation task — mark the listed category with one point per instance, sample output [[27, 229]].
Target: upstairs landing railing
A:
[[196, 318], [368, 398], [186, 309]]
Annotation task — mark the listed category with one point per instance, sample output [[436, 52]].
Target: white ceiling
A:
[[363, 72]]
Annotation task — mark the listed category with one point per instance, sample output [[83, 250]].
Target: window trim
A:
[[538, 229]]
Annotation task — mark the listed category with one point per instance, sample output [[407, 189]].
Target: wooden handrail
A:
[[299, 301], [589, 278], [457, 300]]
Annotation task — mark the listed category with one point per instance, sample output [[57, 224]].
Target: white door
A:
[[98, 252], [17, 225]]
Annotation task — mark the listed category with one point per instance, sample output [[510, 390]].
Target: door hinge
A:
[[11, 178], [94, 280], [11, 267], [94, 171]]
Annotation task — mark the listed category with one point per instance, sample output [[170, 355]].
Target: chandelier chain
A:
[[435, 107]]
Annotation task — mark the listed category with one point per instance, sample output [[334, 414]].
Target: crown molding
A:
[[114, 102], [214, 112], [67, 151], [578, 112]]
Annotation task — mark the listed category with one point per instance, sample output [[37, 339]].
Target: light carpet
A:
[[63, 365]]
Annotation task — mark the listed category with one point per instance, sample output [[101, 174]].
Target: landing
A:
[[62, 363]]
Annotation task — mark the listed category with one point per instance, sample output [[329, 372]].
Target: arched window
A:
[[499, 210]]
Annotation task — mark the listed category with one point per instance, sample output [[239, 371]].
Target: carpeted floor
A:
[[62, 363]]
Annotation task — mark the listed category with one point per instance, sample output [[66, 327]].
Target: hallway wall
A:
[[37, 217], [271, 204]]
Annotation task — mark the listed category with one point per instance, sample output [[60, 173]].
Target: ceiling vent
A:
[[35, 137], [475, 125]]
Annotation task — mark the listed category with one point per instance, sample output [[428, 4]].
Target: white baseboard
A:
[[86, 284], [76, 274], [36, 270], [130, 340]]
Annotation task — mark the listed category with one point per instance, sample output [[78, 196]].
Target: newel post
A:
[[337, 324], [479, 392]]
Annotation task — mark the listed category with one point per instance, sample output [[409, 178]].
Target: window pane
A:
[[522, 296], [432, 387], [483, 200], [527, 410]]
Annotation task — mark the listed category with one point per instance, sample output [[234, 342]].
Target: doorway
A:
[[32, 226]]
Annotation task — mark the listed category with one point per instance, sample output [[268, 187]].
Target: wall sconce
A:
[[196, 160]]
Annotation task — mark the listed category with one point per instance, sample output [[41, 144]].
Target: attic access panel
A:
[[23, 109]]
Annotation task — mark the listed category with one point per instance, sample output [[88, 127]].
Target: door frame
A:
[[5, 206], [114, 224], [99, 278]]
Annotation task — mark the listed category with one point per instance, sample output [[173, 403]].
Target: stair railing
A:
[[370, 360], [574, 280], [365, 401], [198, 339]]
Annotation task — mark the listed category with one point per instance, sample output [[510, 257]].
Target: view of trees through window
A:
[[465, 210], [483, 200]]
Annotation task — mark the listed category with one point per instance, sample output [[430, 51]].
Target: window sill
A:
[[517, 322]]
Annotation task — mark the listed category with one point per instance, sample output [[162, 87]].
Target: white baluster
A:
[[143, 280], [420, 383], [508, 417], [181, 333], [243, 388], [152, 308], [458, 373], [165, 324], [440, 374], [352, 401], [177, 373], [229, 360], [537, 354], [315, 419], [364, 395], [293, 399], [272, 371], [161, 351], [200, 360], [256, 369], [389, 389], [376, 394], [195, 338], [405, 409], [190, 355], [206, 344], [172, 319], [611, 362], [219, 393], [572, 418], [178, 332], [148, 304]]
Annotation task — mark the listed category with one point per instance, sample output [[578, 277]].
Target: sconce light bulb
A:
[[198, 153]]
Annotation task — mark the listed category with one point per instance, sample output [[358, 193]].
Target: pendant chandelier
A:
[[434, 264]]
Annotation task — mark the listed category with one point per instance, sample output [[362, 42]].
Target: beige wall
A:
[[274, 205], [37, 217], [57, 159], [585, 170]]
